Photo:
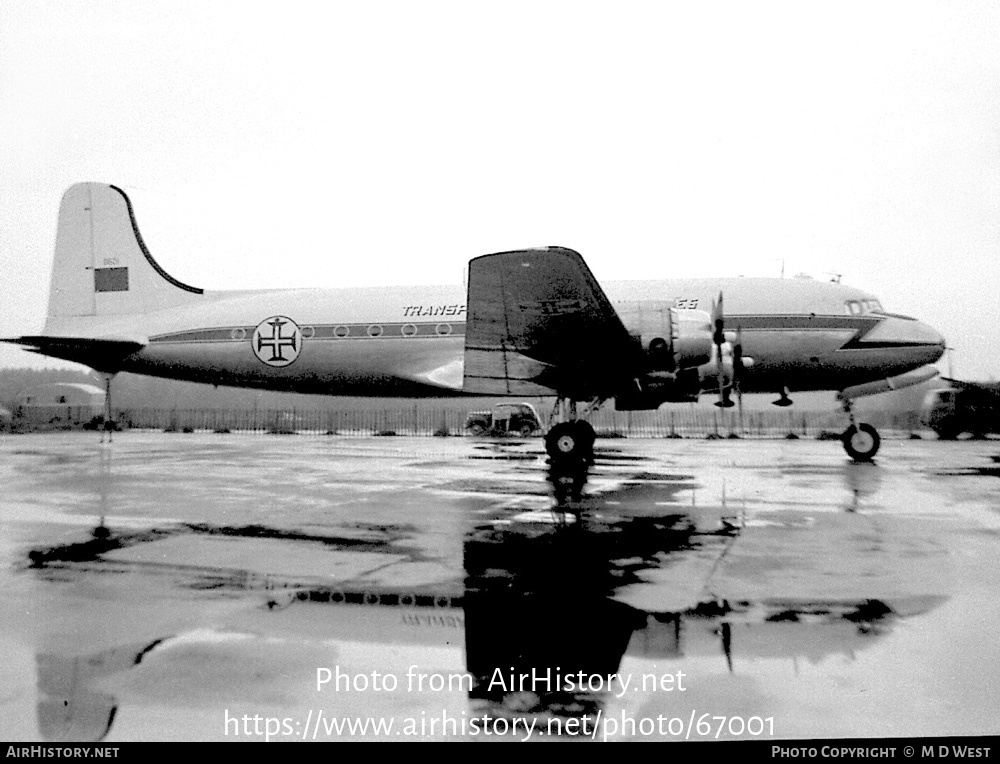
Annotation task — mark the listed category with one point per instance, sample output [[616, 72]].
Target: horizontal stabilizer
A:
[[104, 355], [538, 324]]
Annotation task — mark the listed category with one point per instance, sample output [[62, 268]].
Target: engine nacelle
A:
[[675, 343], [653, 390], [672, 339]]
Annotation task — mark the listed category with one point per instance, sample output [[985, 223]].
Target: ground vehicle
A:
[[504, 419], [972, 407]]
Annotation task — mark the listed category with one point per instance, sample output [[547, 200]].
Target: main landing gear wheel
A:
[[861, 442], [569, 441]]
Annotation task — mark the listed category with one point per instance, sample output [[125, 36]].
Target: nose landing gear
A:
[[861, 440]]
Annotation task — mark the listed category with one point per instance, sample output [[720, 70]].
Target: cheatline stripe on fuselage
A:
[[422, 330], [407, 330]]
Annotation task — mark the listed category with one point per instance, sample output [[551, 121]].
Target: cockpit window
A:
[[860, 307]]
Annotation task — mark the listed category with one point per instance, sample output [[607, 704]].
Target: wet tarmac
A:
[[224, 587]]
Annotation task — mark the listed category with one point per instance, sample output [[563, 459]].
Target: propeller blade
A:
[[718, 321], [738, 370], [719, 337], [725, 401], [738, 358]]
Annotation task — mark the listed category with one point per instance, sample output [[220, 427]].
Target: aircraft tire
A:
[[861, 442], [476, 430], [571, 441]]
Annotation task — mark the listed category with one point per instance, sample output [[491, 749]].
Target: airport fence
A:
[[678, 422]]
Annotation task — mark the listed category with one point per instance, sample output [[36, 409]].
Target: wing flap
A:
[[540, 324], [508, 373]]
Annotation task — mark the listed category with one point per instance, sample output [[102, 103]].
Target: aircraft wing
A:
[[101, 354], [540, 324]]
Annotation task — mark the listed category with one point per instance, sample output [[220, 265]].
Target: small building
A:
[[60, 404]]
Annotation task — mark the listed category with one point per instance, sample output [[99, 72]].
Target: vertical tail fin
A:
[[102, 266]]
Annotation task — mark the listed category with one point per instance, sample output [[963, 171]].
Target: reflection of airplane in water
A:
[[544, 604], [532, 322], [537, 603], [972, 407]]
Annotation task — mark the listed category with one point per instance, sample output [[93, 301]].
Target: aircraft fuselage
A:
[[408, 341]]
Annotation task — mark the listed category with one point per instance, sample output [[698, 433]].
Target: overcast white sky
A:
[[355, 143]]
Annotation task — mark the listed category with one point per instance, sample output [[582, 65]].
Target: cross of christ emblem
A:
[[277, 341]]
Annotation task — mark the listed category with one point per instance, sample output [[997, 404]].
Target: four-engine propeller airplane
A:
[[532, 322]]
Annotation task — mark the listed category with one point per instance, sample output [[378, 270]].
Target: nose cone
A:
[[920, 342], [927, 341]]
